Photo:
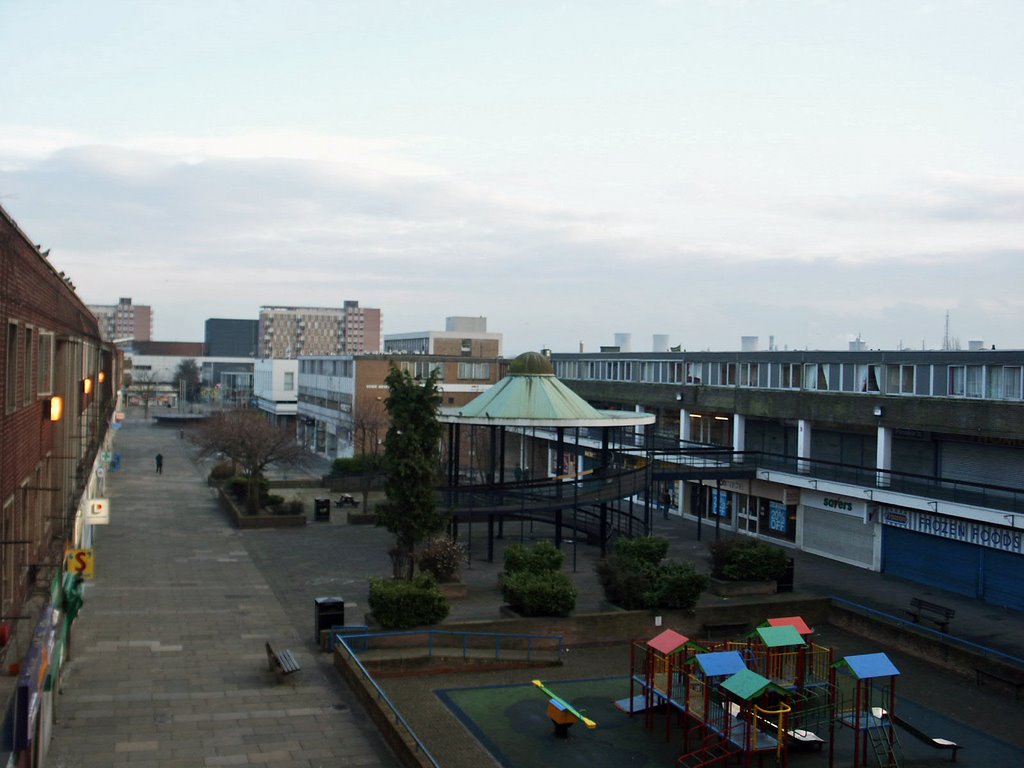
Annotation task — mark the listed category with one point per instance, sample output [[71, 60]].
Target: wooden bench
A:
[[939, 615], [283, 663]]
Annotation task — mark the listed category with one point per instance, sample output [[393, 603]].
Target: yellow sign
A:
[[80, 561]]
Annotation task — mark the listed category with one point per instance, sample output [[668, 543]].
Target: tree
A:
[[412, 461], [188, 372], [143, 384], [253, 444]]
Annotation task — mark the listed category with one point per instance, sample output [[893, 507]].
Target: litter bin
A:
[[785, 582], [321, 510], [328, 612]]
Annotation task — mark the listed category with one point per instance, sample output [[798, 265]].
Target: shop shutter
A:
[[837, 536], [1003, 582], [931, 560]]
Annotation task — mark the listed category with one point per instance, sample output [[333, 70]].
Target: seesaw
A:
[[562, 713]]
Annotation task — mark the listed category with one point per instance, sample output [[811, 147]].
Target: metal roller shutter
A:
[[931, 560], [1004, 579], [837, 536]]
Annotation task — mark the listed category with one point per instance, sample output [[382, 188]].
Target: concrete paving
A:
[[168, 665]]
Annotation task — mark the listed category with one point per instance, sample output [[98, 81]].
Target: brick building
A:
[[58, 391], [124, 320]]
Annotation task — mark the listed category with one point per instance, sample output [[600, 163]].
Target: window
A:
[[790, 376], [748, 374], [868, 377], [815, 376], [289, 381], [693, 373], [44, 376], [477, 371], [956, 380], [28, 361], [899, 379], [11, 378], [727, 374]]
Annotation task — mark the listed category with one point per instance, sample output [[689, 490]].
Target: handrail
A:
[[465, 636], [382, 697]]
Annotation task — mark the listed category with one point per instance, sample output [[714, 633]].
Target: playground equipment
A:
[[562, 713], [865, 695]]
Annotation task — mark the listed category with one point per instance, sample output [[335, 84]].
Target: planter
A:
[[737, 588], [242, 520]]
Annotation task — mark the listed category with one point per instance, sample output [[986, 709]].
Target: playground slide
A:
[[933, 741]]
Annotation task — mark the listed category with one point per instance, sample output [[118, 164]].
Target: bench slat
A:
[[283, 662]]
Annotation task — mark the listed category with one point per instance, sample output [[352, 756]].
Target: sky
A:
[[805, 171]]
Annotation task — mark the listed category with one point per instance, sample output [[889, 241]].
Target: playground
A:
[[774, 697]]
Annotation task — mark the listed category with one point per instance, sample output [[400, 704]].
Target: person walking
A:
[[159, 463]]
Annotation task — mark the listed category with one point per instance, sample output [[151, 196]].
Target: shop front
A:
[[969, 557]]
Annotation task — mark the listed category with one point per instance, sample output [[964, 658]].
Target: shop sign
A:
[[832, 502], [80, 561], [967, 531]]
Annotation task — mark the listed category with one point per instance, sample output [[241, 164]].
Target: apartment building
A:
[[124, 320], [293, 332]]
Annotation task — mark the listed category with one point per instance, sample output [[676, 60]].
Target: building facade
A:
[[124, 320], [341, 398], [59, 397], [293, 332], [908, 462], [231, 338], [275, 390], [462, 336]]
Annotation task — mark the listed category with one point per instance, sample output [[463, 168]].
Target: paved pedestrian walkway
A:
[[168, 668]]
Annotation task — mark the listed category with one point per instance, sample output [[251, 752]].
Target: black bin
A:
[[785, 582], [321, 510], [328, 612]]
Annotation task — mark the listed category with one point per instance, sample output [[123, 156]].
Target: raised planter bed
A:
[[245, 521], [724, 588]]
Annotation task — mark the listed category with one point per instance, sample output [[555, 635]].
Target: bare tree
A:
[[253, 444], [143, 384]]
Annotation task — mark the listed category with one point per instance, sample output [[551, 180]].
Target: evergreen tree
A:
[[412, 460]]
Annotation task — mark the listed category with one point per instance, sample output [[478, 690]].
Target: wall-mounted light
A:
[[721, 418], [56, 407], [695, 416], [878, 410], [679, 395], [101, 376], [87, 385]]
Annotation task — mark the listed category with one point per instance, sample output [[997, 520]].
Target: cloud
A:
[[202, 228]]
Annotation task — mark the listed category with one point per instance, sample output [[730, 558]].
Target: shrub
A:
[[646, 549], [443, 557], [635, 577], [747, 559], [273, 501], [549, 593], [221, 471], [677, 586], [401, 604], [294, 507], [542, 557], [239, 487]]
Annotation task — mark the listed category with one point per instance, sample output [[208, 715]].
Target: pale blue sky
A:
[[706, 169]]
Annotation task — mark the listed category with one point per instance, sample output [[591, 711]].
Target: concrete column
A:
[[639, 428], [739, 434], [883, 456], [684, 425], [803, 445]]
